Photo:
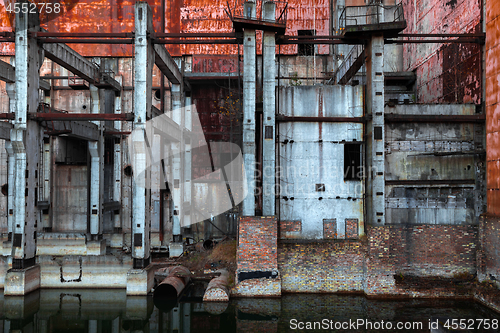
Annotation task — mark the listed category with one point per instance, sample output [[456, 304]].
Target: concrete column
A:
[[117, 168], [269, 108], [375, 131], [155, 193], [141, 192], [25, 139], [10, 181], [176, 248], [249, 63], [46, 179], [187, 165], [96, 188]]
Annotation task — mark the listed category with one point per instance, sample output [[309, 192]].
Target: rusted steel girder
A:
[[82, 116]]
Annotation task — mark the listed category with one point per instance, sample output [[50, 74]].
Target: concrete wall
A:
[[433, 175], [312, 153]]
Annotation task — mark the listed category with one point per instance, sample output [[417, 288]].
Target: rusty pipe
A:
[[172, 286], [217, 289]]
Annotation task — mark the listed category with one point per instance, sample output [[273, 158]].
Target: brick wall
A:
[[327, 266], [257, 244], [489, 253], [424, 251], [290, 229]]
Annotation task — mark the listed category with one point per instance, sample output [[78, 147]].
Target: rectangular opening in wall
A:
[[352, 161], [306, 49]]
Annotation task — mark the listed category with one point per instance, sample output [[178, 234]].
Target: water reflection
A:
[[113, 311]]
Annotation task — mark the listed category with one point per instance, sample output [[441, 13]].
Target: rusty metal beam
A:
[[419, 118], [86, 41], [7, 72], [10, 115], [40, 116], [43, 34]]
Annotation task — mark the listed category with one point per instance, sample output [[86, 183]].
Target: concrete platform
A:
[[22, 281], [140, 281]]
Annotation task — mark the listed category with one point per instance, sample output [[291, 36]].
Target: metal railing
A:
[[240, 11], [370, 14]]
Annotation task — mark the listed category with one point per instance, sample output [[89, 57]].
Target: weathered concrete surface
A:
[[140, 281], [105, 271], [22, 281], [312, 153]]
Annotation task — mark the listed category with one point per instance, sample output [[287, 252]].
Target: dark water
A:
[[112, 311]]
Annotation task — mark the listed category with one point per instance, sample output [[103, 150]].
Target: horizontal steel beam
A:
[[7, 72], [9, 115], [44, 85], [40, 116]]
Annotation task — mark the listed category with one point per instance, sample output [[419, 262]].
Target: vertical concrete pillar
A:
[[141, 192], [25, 139], [155, 192], [117, 167], [175, 247], [47, 180], [269, 109], [375, 130], [11, 92], [187, 164], [96, 150], [249, 63]]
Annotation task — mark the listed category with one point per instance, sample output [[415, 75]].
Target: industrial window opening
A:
[[306, 49], [352, 161]]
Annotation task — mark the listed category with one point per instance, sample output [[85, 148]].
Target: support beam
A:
[[25, 139], [269, 110], [249, 151], [175, 247], [167, 65], [143, 72], [68, 58], [375, 131], [7, 72], [78, 129], [96, 188]]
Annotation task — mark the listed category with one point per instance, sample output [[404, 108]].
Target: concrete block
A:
[[175, 249], [22, 281], [96, 248], [140, 281], [6, 248]]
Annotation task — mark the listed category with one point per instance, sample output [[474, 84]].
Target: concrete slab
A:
[[22, 281], [140, 281]]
